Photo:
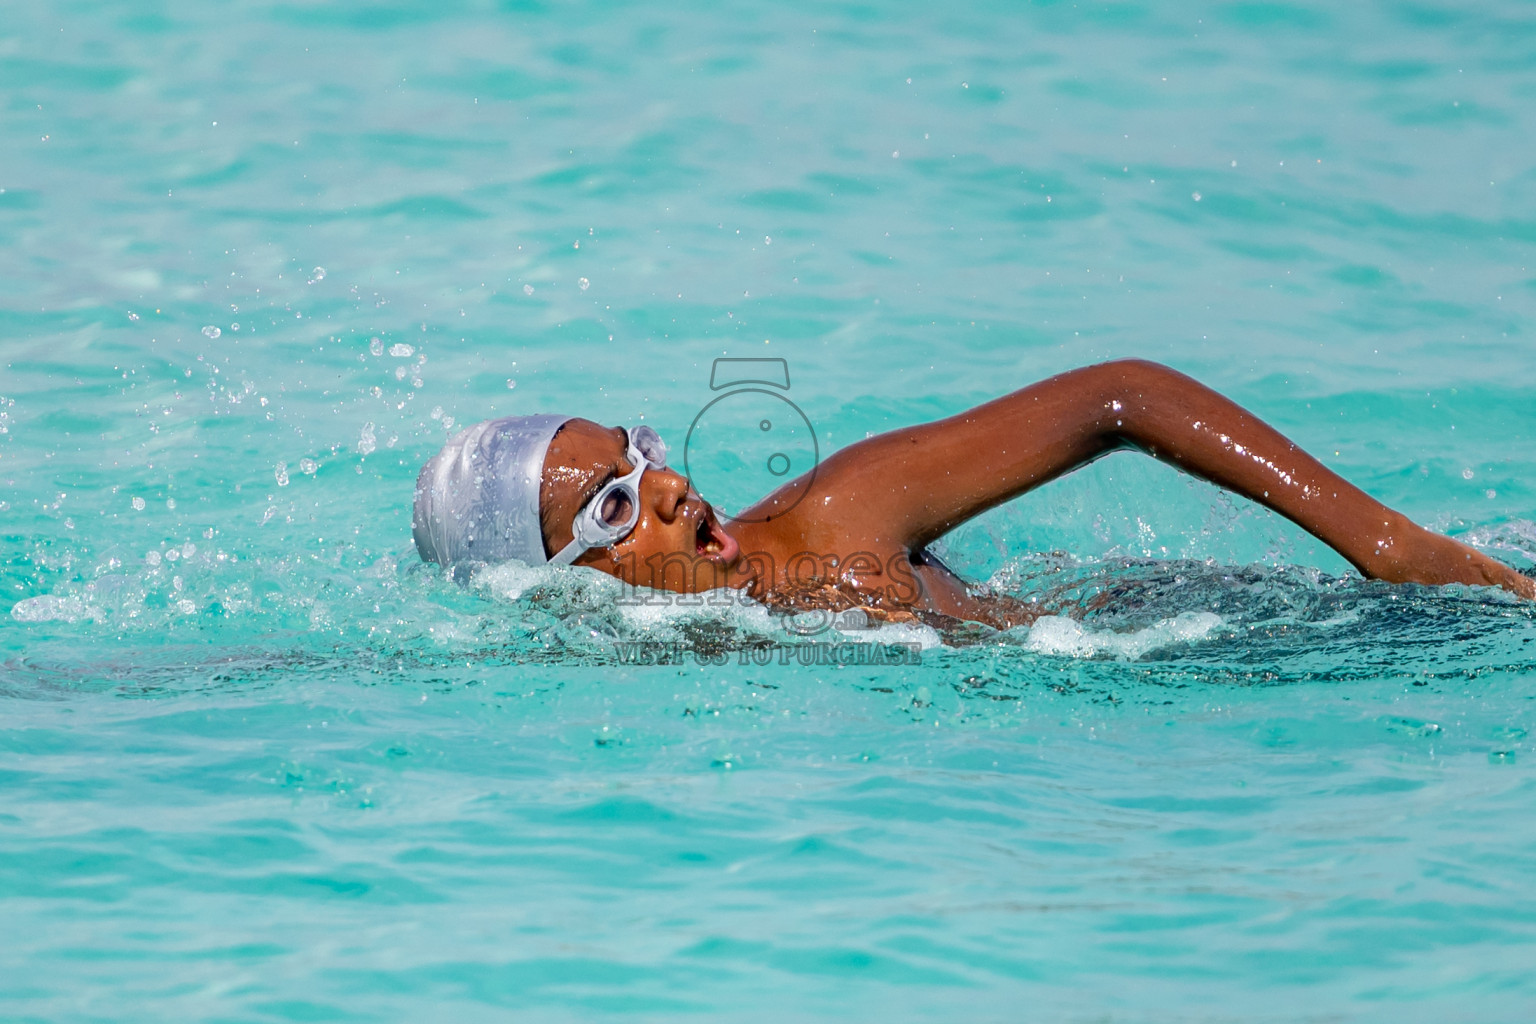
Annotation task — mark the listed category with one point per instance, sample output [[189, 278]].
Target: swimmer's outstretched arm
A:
[[920, 482]]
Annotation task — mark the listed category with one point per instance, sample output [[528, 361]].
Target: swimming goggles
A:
[[615, 508]]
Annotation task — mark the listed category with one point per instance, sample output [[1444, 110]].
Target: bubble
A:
[[1466, 474], [185, 607], [133, 316], [511, 383], [399, 373], [437, 412], [767, 240], [172, 555], [234, 327], [583, 284], [308, 467], [1196, 196], [138, 504], [376, 346], [366, 442], [152, 557], [282, 474], [447, 422], [527, 289], [318, 273], [188, 549], [211, 331], [170, 503], [400, 350], [765, 425]]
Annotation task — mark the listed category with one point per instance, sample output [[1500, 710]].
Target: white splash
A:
[[49, 608], [1056, 634]]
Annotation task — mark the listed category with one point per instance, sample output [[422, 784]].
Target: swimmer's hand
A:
[[1408, 553]]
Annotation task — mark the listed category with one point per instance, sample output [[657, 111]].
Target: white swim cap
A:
[[477, 500]]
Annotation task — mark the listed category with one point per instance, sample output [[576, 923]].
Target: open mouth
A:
[[712, 542]]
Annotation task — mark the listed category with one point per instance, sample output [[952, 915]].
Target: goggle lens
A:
[[649, 443], [616, 509]]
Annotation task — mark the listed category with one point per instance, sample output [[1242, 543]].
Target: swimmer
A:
[[855, 531]]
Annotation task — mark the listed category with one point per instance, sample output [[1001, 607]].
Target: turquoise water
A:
[[257, 763]]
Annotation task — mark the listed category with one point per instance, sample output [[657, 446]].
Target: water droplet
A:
[[511, 383], [583, 284], [138, 504], [308, 467], [376, 346], [211, 331], [282, 474], [366, 442], [318, 273], [400, 350]]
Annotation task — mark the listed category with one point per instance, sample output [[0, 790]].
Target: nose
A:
[[668, 490]]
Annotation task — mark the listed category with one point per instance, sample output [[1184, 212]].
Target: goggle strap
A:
[[568, 554]]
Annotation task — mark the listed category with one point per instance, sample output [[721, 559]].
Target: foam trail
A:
[[1056, 634]]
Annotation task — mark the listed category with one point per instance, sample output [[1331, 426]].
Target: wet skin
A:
[[872, 507]]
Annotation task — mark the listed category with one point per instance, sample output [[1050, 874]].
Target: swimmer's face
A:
[[677, 543]]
